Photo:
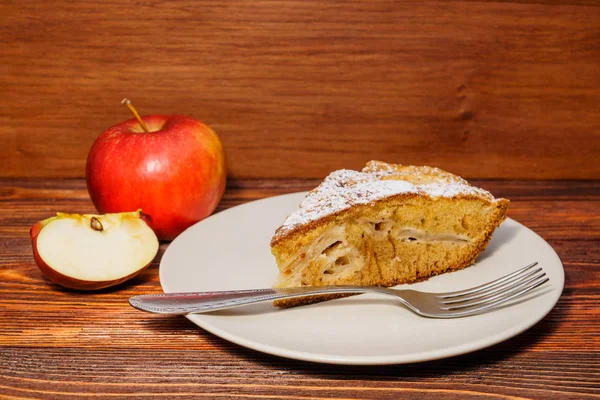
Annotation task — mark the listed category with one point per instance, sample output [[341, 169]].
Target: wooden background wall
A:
[[294, 88]]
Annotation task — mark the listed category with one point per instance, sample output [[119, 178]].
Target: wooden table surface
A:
[[58, 343]]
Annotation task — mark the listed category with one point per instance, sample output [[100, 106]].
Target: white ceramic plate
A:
[[230, 250]]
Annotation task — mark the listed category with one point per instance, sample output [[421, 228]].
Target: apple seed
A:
[[96, 224]]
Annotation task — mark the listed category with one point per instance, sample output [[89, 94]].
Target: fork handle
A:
[[185, 303]]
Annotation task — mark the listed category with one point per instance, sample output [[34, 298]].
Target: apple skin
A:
[[68, 281], [176, 172]]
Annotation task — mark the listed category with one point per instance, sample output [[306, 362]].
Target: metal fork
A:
[[434, 305]]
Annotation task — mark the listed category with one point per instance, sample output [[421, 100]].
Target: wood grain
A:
[[485, 89], [57, 343]]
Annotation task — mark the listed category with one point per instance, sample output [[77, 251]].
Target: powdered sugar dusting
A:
[[453, 189], [341, 190], [344, 189]]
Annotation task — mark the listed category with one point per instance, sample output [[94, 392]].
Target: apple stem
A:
[[96, 225], [135, 113]]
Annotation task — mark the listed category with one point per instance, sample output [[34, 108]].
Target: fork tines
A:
[[493, 293]]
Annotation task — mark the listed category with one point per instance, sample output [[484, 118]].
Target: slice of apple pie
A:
[[387, 225]]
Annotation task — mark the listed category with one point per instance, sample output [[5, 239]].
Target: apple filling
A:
[[331, 255], [334, 258], [411, 234]]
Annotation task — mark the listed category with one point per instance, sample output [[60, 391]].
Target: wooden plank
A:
[[556, 210], [499, 372], [296, 89]]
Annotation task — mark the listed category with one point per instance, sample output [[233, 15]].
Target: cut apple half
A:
[[90, 252]]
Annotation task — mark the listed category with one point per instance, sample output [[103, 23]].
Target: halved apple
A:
[[90, 252]]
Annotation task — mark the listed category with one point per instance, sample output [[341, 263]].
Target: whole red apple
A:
[[175, 171]]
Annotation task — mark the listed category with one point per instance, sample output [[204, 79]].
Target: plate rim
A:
[[456, 350]]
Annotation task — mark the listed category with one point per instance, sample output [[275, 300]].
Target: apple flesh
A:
[[175, 172], [90, 252]]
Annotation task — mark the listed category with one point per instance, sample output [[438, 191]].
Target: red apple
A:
[[90, 252], [175, 171]]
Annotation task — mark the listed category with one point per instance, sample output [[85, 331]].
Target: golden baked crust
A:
[[387, 225]]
